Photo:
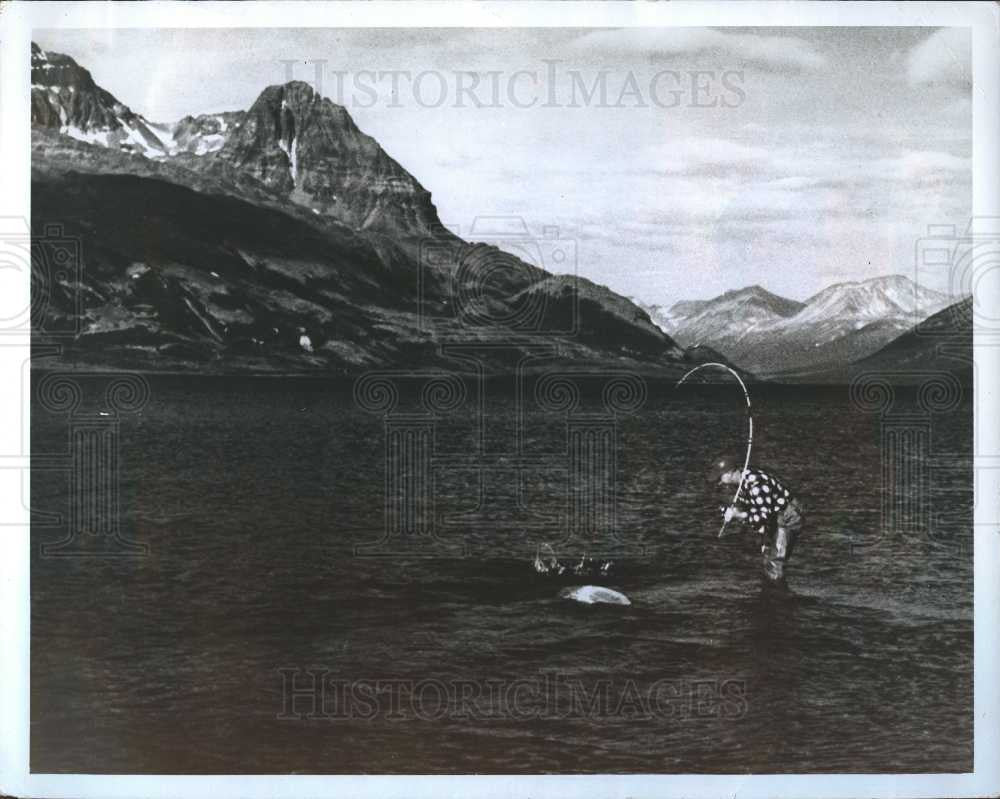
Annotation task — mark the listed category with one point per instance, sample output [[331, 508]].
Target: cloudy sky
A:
[[679, 162]]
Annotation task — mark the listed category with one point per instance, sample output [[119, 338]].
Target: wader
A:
[[778, 542]]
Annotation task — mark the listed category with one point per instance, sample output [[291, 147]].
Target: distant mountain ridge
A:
[[770, 334], [942, 343], [706, 320], [870, 300]]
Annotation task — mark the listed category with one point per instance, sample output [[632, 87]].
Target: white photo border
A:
[[18, 19]]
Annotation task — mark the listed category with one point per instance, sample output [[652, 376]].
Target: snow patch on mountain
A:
[[88, 136], [65, 97], [287, 140]]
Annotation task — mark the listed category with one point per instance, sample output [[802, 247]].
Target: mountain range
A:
[[284, 239], [773, 335]]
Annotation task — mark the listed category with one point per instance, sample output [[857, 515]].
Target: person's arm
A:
[[733, 512]]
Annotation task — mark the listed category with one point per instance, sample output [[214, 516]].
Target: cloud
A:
[[695, 156], [767, 52], [944, 57], [923, 170]]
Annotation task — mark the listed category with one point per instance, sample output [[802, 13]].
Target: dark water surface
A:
[[252, 494]]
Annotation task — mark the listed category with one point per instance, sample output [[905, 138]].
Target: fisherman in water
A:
[[764, 505]]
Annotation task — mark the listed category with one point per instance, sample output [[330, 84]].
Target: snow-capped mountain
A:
[[843, 307], [205, 133], [296, 143], [65, 97], [735, 313], [669, 319], [840, 324]]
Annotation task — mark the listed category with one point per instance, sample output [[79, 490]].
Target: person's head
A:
[[726, 469]]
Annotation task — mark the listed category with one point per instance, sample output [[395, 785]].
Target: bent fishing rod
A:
[[746, 396]]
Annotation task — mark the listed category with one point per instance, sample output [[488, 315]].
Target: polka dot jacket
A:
[[763, 499]]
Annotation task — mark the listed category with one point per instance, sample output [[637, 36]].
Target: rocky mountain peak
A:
[[298, 144], [761, 297], [304, 146], [65, 97], [875, 298], [54, 69], [204, 133]]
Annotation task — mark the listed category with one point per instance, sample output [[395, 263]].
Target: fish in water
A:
[[595, 595]]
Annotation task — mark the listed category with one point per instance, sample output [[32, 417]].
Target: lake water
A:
[[439, 650]]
